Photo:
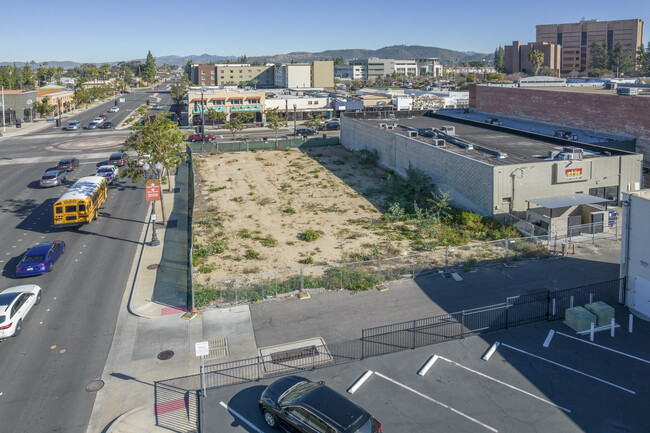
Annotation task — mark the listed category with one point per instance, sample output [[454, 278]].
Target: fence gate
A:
[[177, 408]]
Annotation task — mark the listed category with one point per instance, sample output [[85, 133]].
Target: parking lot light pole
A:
[[202, 118], [294, 118]]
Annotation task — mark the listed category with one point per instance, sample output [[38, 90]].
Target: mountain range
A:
[[393, 52]]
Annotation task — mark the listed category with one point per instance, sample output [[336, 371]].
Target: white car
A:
[[72, 125], [107, 171], [15, 303], [98, 120], [114, 109]]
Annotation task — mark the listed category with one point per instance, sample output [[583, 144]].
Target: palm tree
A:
[[536, 58], [255, 81]]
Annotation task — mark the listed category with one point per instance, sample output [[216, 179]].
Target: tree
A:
[[536, 58], [357, 83], [238, 122], [178, 90], [274, 121], [547, 71], [471, 78], [215, 116], [161, 139], [316, 121], [242, 84], [621, 59], [643, 57], [187, 70], [243, 59], [28, 77], [43, 106], [149, 70], [255, 81], [499, 59], [338, 61], [80, 96], [104, 70], [599, 56]]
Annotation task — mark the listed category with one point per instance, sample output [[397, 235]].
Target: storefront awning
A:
[[567, 200]]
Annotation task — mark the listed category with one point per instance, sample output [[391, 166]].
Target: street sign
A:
[[30, 102], [122, 100], [202, 348], [153, 191]]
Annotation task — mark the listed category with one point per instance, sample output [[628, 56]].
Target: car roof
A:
[[53, 172], [6, 299], [333, 406], [117, 155], [110, 167], [41, 248], [66, 160]]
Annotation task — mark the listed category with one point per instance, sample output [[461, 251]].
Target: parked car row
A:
[[99, 122]]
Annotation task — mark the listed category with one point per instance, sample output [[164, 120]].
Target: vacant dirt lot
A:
[[259, 211]]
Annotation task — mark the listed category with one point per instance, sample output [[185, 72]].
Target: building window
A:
[[241, 71], [202, 72], [235, 102], [218, 102], [253, 101]]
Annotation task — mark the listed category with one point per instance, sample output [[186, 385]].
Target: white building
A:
[[635, 254], [297, 75], [351, 72]]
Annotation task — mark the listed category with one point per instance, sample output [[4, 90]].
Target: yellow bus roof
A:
[[83, 188]]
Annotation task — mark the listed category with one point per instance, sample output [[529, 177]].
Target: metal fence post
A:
[[378, 272], [447, 260], [462, 324], [276, 284], [363, 343], [616, 229], [414, 335], [507, 308], [341, 269]]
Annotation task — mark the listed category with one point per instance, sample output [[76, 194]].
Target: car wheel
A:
[[49, 269], [19, 327], [270, 419], [38, 299]]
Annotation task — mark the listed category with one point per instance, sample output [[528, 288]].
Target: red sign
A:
[[573, 173], [153, 191]]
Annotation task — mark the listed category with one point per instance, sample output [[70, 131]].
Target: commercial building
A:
[[351, 72], [295, 75], [298, 106], [322, 74], [57, 96], [19, 105], [493, 171], [516, 56], [376, 68], [223, 100], [635, 260], [576, 39], [578, 107], [222, 74]]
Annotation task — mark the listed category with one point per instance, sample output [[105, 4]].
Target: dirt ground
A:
[[252, 210]]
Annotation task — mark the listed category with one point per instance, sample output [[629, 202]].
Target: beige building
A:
[[219, 75], [516, 56], [221, 100], [57, 96], [322, 74], [576, 39]]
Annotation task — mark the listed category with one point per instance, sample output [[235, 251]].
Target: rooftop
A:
[[487, 143]]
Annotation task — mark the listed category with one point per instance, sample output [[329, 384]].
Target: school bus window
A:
[[71, 208], [82, 208], [58, 209]]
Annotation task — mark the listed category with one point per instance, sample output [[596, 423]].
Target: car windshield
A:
[[34, 258], [48, 176], [65, 161], [104, 170], [293, 394]]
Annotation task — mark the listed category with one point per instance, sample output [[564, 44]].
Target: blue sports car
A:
[[40, 258]]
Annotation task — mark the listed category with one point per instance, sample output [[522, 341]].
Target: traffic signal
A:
[[116, 102], [147, 102]]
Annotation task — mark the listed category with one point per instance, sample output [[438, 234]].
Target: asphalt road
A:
[[66, 338]]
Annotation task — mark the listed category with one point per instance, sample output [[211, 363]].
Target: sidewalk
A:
[[150, 322]]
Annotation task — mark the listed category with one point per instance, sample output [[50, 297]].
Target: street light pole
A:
[[294, 118], [154, 238], [202, 118]]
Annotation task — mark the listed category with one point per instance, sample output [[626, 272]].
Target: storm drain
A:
[[165, 355], [218, 348], [154, 266], [293, 355], [95, 385]]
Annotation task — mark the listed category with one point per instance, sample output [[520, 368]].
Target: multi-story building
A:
[[223, 100], [219, 75], [381, 68], [351, 72], [322, 74], [516, 56], [576, 39]]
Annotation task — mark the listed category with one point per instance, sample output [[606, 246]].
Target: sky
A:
[[87, 32]]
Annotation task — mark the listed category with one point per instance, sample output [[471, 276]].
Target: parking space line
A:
[[438, 402], [360, 381], [229, 409], [549, 337], [569, 368], [506, 384], [604, 347]]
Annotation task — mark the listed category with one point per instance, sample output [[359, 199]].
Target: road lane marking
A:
[[604, 347], [427, 365], [360, 381], [53, 347], [456, 411], [549, 337], [232, 411], [569, 368], [506, 384]]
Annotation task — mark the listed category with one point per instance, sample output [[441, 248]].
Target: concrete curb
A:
[[121, 418], [136, 266]]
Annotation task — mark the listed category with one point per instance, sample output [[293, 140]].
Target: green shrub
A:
[[311, 235], [195, 260], [206, 269], [218, 247], [289, 211], [269, 241], [308, 260], [252, 254], [244, 234], [205, 296]]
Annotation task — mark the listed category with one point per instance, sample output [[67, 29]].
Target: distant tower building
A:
[[576, 39], [516, 56]]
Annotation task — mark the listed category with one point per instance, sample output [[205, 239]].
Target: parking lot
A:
[[533, 382]]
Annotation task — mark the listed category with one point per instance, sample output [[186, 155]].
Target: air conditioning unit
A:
[[390, 127], [382, 125], [438, 142], [413, 134], [449, 130]]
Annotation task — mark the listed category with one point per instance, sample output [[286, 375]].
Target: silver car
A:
[[73, 125], [53, 178]]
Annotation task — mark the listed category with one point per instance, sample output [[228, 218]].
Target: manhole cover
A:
[[154, 266], [165, 355], [95, 385]]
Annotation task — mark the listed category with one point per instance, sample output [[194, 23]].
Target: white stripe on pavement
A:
[[506, 384], [604, 347], [492, 429], [240, 417], [569, 368], [549, 337]]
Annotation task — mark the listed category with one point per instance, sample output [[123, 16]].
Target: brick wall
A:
[[626, 115]]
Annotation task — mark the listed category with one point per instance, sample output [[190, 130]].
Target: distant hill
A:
[[393, 52]]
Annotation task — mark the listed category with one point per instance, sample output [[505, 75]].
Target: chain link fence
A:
[[212, 147]]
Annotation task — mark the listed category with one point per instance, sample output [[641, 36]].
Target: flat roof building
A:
[[576, 39], [516, 56]]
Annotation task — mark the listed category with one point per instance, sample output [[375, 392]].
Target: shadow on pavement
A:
[[244, 403]]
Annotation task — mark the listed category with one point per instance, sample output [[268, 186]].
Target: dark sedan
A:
[[68, 164], [40, 258], [305, 131], [303, 406], [119, 159], [106, 125]]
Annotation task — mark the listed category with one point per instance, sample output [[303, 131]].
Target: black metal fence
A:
[[515, 311], [190, 229], [264, 144]]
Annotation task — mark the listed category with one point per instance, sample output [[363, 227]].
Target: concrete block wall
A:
[[626, 115], [469, 181]]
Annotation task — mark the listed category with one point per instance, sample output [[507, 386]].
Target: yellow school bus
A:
[[80, 203]]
